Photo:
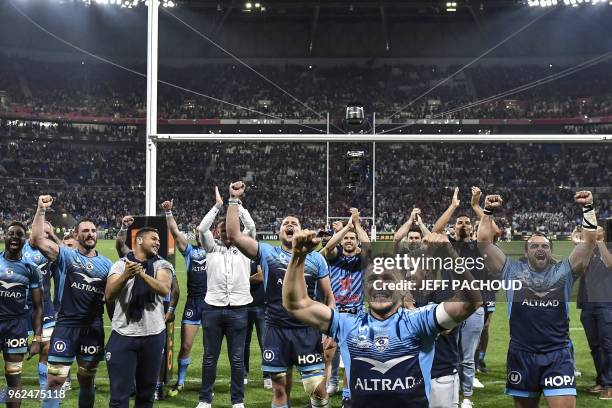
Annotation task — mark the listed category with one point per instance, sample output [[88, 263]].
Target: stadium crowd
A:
[[92, 89], [106, 181]]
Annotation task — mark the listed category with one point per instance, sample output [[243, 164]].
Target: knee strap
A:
[[11, 368], [58, 370], [87, 372]]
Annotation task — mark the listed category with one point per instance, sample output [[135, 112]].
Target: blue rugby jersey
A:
[[16, 279], [539, 311], [346, 274], [33, 256], [274, 261], [388, 362], [82, 281], [195, 260]]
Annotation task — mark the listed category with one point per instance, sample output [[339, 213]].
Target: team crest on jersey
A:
[[107, 356], [283, 258], [381, 343], [37, 258]]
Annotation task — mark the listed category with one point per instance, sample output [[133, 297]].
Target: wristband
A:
[[234, 201], [169, 213], [170, 309], [589, 218], [488, 210], [123, 228]]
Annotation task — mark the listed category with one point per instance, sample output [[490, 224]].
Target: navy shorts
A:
[[530, 374], [284, 348], [14, 336], [194, 307], [84, 343]]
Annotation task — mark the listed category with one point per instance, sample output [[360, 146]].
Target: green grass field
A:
[[256, 397]]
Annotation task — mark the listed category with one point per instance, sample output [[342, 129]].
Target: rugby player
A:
[[346, 253], [195, 260], [34, 256], [288, 341], [388, 350], [471, 328], [539, 356], [17, 278], [79, 330]]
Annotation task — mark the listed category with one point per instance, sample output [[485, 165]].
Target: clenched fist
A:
[[304, 241], [584, 198], [493, 201], [45, 201], [127, 221], [236, 190], [167, 205]]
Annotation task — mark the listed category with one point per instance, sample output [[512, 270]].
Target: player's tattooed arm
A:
[[246, 244], [295, 294], [581, 255], [37, 313], [493, 256], [444, 219], [120, 245], [179, 237], [331, 248], [49, 248]]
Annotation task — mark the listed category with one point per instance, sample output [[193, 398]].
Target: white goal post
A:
[[152, 136]]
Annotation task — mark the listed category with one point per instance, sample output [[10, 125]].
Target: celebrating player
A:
[[539, 356], [18, 277], [34, 256], [387, 350], [347, 263], [195, 260], [288, 341], [79, 331]]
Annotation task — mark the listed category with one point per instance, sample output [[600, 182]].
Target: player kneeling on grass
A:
[[388, 350], [539, 355]]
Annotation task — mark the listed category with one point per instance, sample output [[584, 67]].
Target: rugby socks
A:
[[87, 396], [183, 363], [481, 355], [280, 406], [346, 393], [42, 376], [51, 403]]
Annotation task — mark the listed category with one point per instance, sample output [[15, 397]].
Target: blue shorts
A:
[[48, 319], [284, 348], [530, 374], [14, 336], [194, 307], [84, 343]]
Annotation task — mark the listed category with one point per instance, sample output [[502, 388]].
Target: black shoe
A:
[[346, 402], [482, 367]]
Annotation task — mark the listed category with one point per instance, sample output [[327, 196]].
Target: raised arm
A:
[[206, 236], [120, 245], [403, 230], [475, 202], [247, 245], [465, 301], [295, 293], [362, 235], [442, 222], [493, 256], [581, 255], [247, 221], [179, 237], [419, 222], [330, 251], [49, 248]]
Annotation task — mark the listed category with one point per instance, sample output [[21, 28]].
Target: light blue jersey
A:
[[388, 362]]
